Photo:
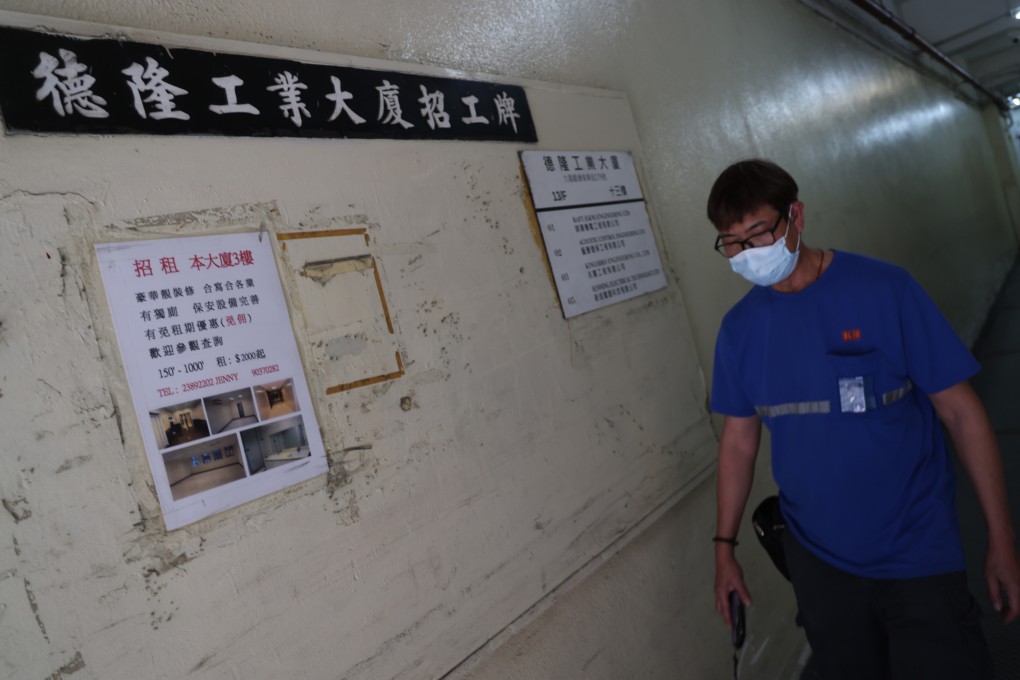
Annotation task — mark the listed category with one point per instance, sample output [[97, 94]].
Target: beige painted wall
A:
[[890, 164]]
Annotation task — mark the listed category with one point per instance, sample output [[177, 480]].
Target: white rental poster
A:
[[214, 371], [595, 227]]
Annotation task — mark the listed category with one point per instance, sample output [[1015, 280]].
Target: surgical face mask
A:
[[766, 265]]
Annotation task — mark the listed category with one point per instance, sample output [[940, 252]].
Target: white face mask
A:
[[766, 265]]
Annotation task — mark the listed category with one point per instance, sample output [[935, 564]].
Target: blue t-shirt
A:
[[839, 373]]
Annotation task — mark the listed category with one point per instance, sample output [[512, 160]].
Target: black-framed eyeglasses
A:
[[728, 246]]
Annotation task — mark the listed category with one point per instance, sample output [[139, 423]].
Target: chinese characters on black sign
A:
[[594, 226], [59, 83]]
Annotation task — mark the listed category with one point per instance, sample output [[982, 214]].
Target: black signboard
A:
[[72, 84]]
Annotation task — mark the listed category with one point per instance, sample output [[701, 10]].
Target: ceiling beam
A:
[[890, 20], [975, 34]]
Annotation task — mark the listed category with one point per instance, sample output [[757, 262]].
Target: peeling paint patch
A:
[[337, 348], [324, 270], [19, 514], [244, 213], [70, 668], [315, 219]]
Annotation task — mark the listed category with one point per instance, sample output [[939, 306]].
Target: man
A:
[[851, 367]]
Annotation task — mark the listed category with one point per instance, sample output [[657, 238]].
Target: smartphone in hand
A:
[[738, 631]]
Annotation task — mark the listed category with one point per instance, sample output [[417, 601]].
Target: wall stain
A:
[[120, 423], [337, 475], [165, 564], [655, 302], [204, 660], [70, 668], [19, 514], [143, 523], [59, 393], [157, 559], [350, 513], [74, 462], [342, 464], [35, 609], [388, 646], [584, 667], [63, 272]]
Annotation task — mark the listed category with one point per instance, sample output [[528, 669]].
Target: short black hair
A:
[[745, 187]]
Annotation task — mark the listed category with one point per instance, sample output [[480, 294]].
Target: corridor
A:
[[998, 350]]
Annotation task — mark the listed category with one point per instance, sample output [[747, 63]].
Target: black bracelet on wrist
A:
[[725, 539]]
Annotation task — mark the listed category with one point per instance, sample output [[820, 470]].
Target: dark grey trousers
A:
[[873, 629]]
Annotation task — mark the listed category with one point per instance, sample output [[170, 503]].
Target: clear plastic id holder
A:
[[856, 395]]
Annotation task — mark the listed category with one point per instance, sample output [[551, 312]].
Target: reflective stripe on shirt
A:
[[804, 408], [896, 395], [794, 408]]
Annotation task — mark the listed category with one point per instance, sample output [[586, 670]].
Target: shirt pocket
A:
[[855, 381]]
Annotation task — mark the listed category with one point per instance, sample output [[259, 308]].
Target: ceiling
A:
[[980, 36]]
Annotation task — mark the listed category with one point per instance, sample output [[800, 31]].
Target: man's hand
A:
[[728, 577], [963, 415], [1002, 574]]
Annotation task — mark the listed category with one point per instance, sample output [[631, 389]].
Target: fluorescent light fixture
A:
[[1014, 101], [1016, 13]]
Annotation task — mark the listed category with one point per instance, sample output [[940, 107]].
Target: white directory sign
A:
[[214, 372], [595, 227]]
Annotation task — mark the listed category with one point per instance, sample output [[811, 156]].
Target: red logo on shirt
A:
[[852, 335]]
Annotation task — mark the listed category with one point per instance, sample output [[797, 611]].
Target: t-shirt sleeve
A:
[[728, 395], [936, 357]]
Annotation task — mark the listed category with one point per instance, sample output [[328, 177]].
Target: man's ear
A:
[[797, 215]]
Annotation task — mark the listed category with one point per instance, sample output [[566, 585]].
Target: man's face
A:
[[761, 227]]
